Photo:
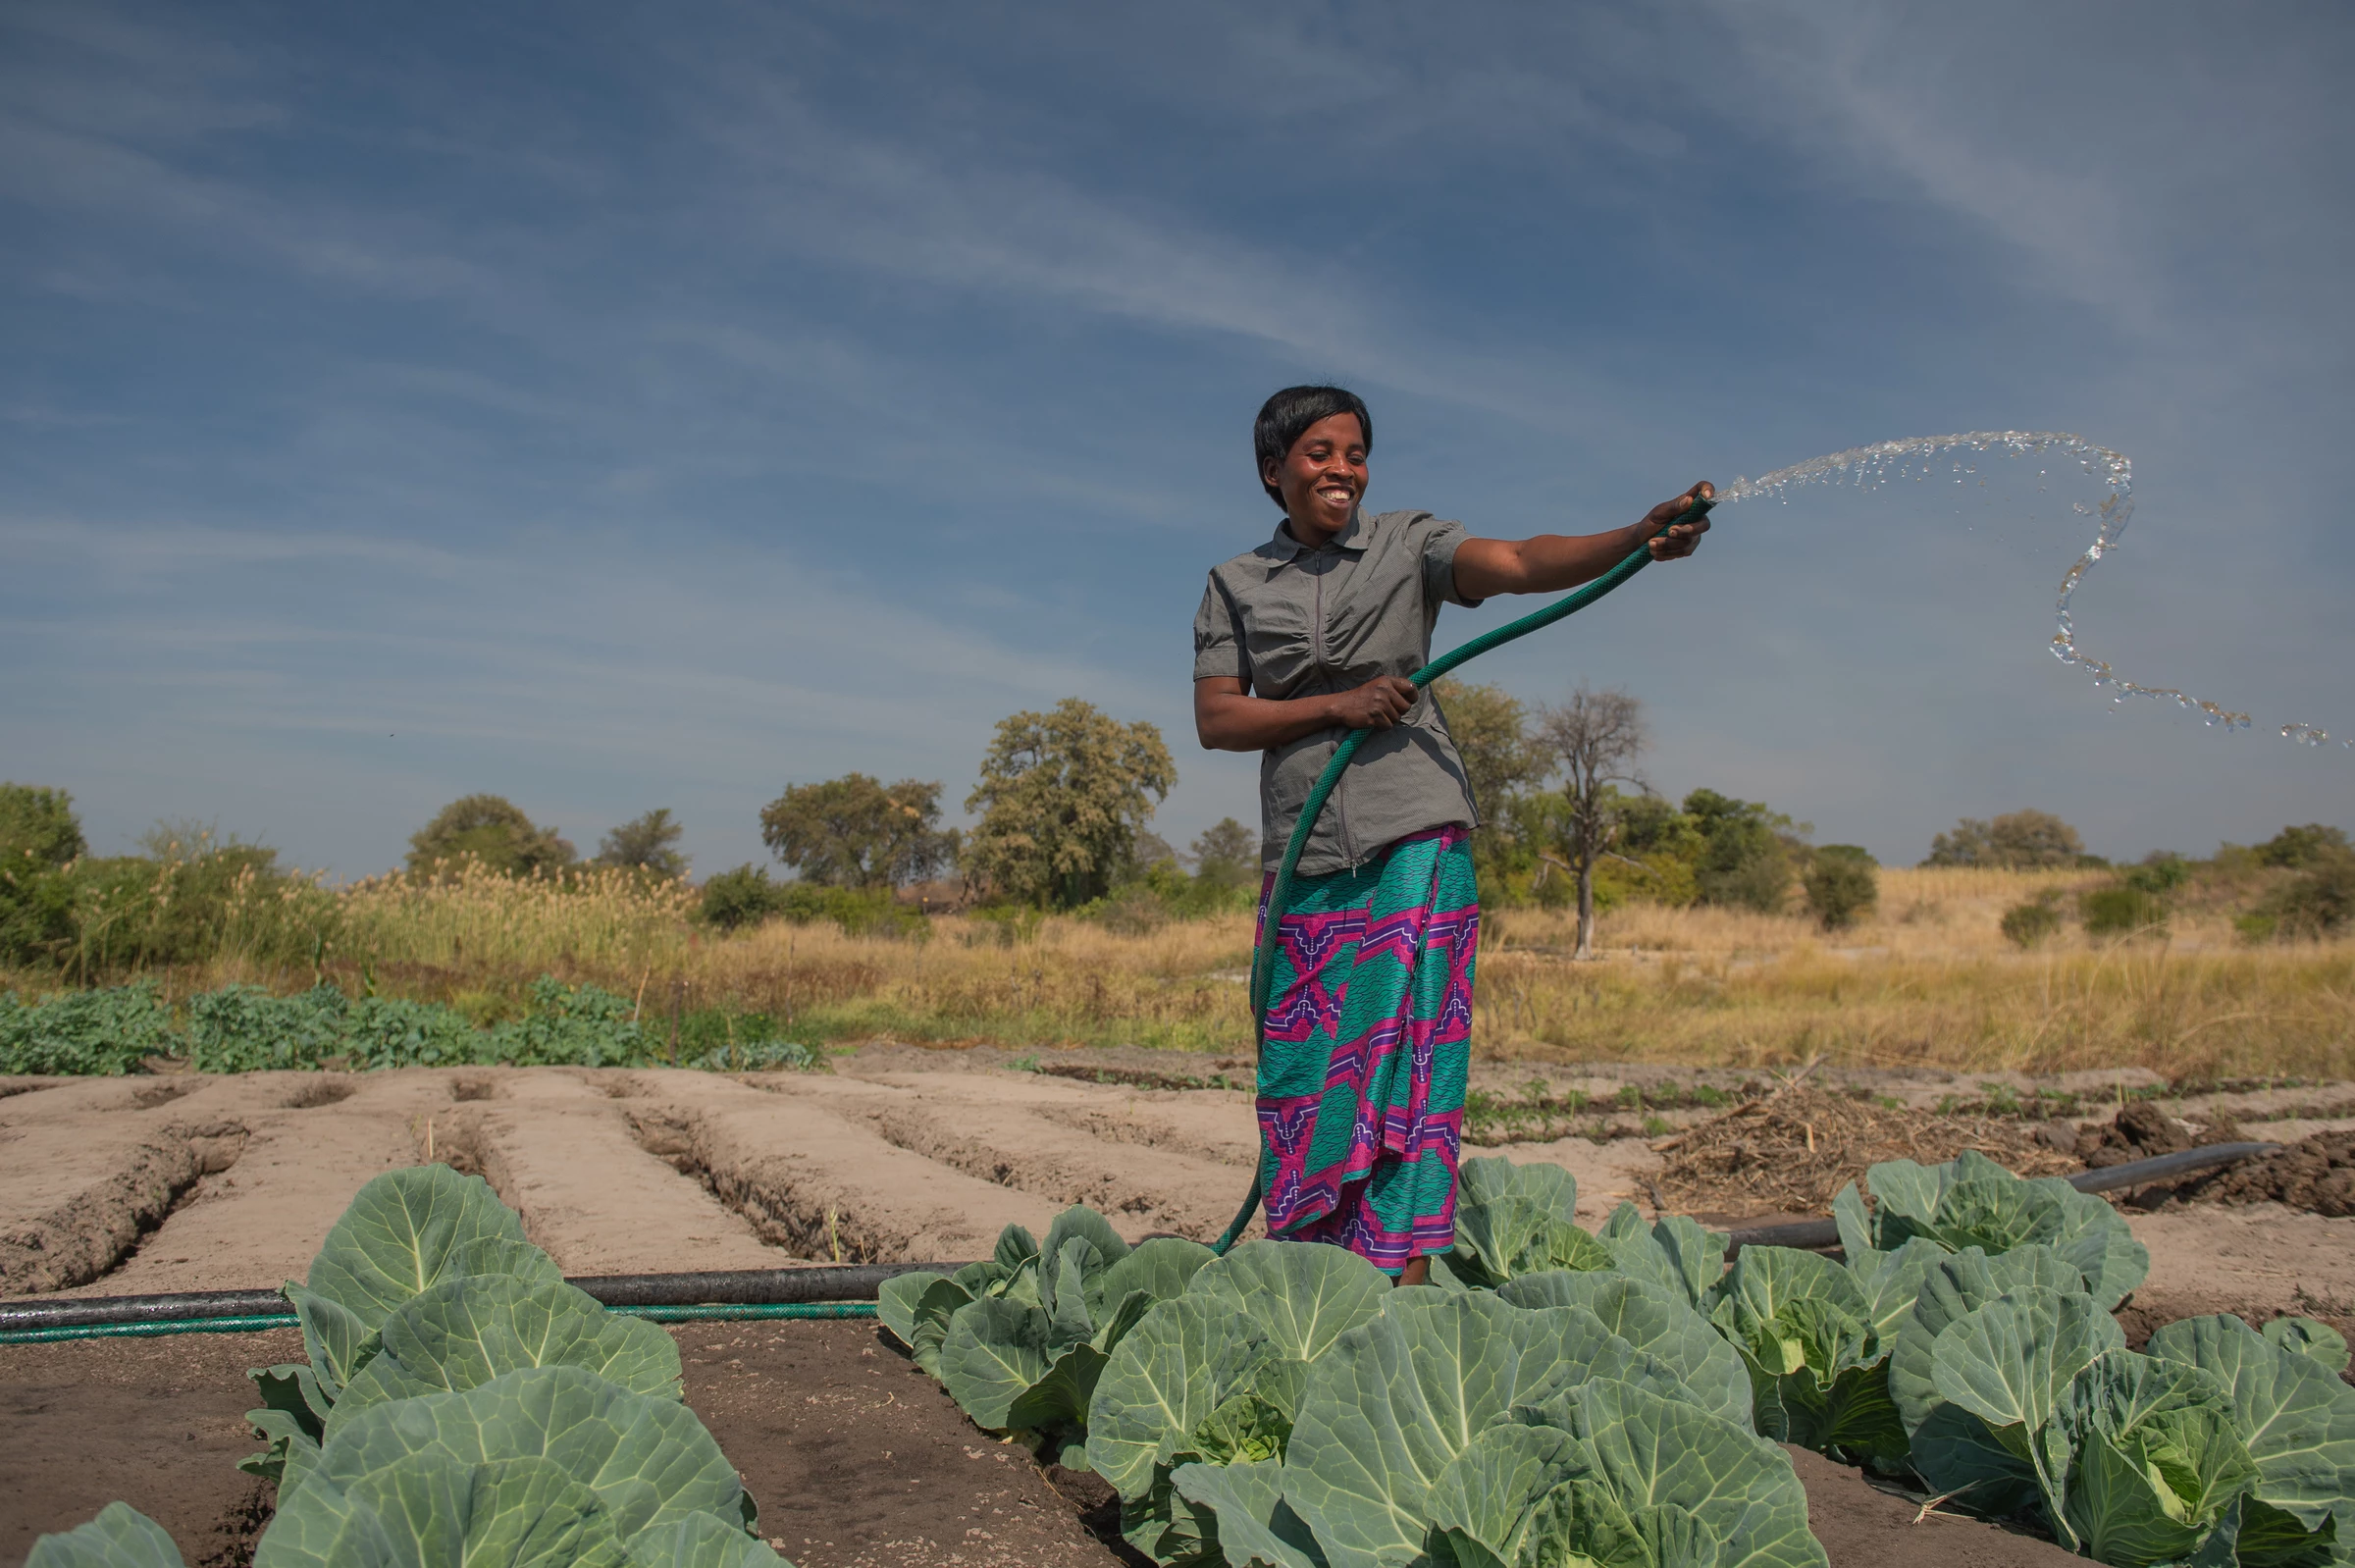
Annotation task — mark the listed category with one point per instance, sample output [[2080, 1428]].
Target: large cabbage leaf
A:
[[1806, 1332], [433, 1507], [1395, 1400], [405, 1230], [1513, 1219], [2297, 1421], [2001, 1371], [1304, 1298], [463, 1332], [1021, 1340], [1674, 1253], [121, 1537], [1973, 1202], [421, 1223], [647, 1460], [1650, 1319], [1950, 1287], [1614, 1472], [2155, 1459], [1245, 1520]]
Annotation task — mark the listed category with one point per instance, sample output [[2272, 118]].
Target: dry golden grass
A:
[[1928, 981]]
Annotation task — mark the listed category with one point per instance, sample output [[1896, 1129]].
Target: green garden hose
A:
[[258, 1322], [1263, 955]]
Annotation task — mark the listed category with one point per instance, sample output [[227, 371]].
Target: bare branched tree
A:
[[1593, 739]]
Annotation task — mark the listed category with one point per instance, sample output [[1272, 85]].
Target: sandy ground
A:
[[130, 1186], [156, 1184]]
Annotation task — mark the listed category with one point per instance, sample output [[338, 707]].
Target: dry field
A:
[[190, 1183], [1927, 983]]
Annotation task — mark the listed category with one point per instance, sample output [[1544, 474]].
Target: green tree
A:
[[1061, 798], [2029, 840], [41, 838], [855, 832], [492, 830], [2297, 846], [1227, 855], [1747, 862], [1503, 763], [647, 843]]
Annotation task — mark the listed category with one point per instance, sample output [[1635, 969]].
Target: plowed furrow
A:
[[981, 1126], [823, 1184], [564, 1155]]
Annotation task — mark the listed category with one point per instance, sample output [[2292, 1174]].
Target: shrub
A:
[[648, 843], [2299, 847], [2161, 872], [2314, 903], [2121, 911], [190, 901], [2026, 924], [39, 838], [2017, 839], [740, 898], [1841, 885], [492, 829]]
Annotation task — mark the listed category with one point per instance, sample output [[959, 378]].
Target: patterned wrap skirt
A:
[[1369, 1029]]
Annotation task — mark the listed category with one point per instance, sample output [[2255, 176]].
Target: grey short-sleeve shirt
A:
[[1290, 621]]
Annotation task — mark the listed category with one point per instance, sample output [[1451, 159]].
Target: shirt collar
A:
[[1351, 538]]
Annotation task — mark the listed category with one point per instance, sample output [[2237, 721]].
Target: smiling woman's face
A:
[[1322, 477]]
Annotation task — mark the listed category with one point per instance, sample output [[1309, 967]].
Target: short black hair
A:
[[1286, 417]]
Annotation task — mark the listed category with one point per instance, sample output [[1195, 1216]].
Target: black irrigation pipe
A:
[[819, 1290], [1817, 1233]]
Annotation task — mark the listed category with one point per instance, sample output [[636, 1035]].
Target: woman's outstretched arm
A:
[[1551, 562], [1228, 719]]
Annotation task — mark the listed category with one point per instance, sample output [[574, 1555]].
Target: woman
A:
[[1312, 635]]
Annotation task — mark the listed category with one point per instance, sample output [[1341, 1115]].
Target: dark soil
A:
[[856, 1458], [859, 1459], [2315, 1173], [1864, 1527], [158, 1424], [1795, 1151]]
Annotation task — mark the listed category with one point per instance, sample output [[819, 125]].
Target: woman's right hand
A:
[[1378, 705]]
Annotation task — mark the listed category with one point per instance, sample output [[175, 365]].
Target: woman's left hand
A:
[[1675, 542]]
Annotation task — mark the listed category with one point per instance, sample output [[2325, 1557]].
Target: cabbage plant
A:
[[1815, 1338], [429, 1264], [1459, 1428], [2217, 1446], [462, 1403], [1973, 1202], [1213, 1377], [1021, 1338]]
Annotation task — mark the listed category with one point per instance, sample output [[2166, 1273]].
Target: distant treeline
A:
[[1064, 802]]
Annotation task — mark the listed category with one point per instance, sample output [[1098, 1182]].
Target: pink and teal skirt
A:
[[1369, 1030]]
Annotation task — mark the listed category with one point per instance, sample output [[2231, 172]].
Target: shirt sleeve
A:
[[1218, 637], [1440, 541]]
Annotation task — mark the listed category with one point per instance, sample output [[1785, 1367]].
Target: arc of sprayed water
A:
[[1869, 466]]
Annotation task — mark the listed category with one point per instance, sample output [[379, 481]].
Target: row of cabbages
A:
[[1561, 1397], [462, 1405]]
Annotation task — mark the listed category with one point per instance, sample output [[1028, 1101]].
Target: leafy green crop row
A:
[[243, 1028], [462, 1405], [1558, 1397]]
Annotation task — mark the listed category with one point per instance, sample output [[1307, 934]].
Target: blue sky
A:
[[656, 406]]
